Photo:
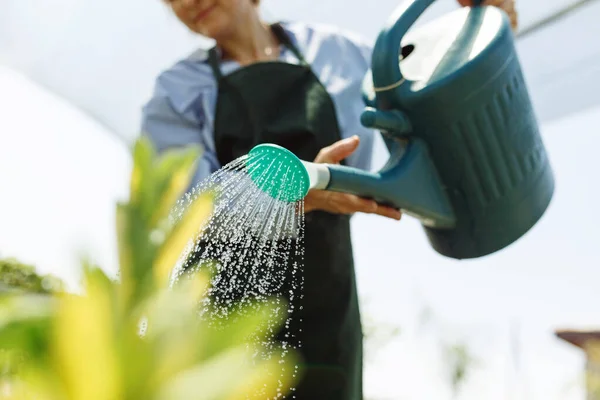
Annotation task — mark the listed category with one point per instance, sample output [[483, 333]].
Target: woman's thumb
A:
[[338, 151]]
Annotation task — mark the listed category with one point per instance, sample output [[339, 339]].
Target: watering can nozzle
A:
[[282, 175]]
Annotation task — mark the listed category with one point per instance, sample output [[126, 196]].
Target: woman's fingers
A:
[[507, 5], [344, 203], [350, 204], [388, 212], [338, 151]]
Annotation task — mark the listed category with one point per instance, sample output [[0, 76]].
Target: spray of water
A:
[[253, 247]]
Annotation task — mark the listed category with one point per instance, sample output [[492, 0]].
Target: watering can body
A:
[[466, 155], [451, 103]]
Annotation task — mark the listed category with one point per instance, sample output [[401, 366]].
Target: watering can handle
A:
[[385, 62]]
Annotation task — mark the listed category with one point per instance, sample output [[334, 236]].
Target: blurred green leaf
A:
[[142, 178], [187, 229], [174, 173], [24, 324], [84, 343]]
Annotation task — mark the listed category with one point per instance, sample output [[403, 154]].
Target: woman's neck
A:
[[250, 42]]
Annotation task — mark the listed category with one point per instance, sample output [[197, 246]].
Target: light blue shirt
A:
[[182, 108]]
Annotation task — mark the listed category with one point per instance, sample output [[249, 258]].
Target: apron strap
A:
[[284, 38], [280, 34], [213, 60]]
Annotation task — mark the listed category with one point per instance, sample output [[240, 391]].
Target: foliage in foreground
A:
[[138, 338], [15, 275]]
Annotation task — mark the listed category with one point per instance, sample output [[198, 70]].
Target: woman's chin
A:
[[215, 29]]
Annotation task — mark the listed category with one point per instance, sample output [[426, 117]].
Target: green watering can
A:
[[466, 156]]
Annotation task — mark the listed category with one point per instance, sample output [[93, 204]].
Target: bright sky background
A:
[[61, 173]]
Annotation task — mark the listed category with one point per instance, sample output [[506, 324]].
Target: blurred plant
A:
[[141, 338], [456, 355], [15, 275], [377, 334], [459, 361]]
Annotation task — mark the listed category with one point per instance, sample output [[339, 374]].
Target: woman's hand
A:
[[343, 203], [507, 5]]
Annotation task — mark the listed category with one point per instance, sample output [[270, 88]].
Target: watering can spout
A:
[[408, 181]]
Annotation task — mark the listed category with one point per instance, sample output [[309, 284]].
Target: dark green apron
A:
[[286, 104]]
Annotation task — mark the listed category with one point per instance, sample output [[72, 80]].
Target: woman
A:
[[229, 99]]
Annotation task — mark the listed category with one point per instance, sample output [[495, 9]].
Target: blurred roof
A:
[[578, 337]]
